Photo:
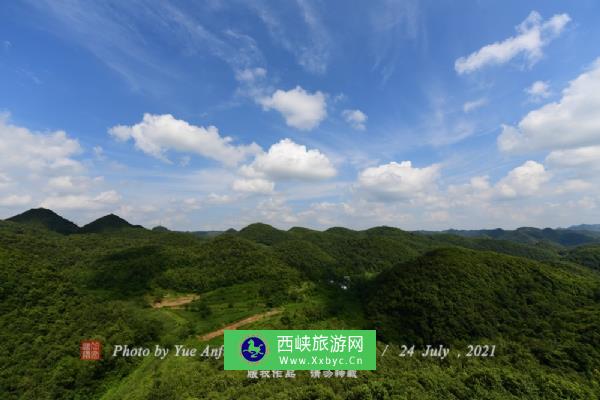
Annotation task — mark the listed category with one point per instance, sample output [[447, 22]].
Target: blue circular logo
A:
[[253, 349]]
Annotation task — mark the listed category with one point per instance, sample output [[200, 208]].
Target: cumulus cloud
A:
[[36, 151], [401, 181], [155, 135], [301, 109], [573, 121], [538, 90], [70, 184], [356, 118], [473, 105], [586, 157], [524, 180], [255, 185], [287, 160], [532, 36], [44, 168], [82, 202]]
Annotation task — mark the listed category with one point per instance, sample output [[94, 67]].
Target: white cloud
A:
[[157, 134], [44, 164], [473, 105], [573, 121], [275, 209], [249, 75], [287, 160], [33, 151], [15, 200], [538, 90], [395, 181], [82, 202], [532, 35], [256, 185], [524, 180], [520, 182], [301, 110], [355, 118], [214, 198], [573, 185], [582, 157], [61, 183], [69, 184]]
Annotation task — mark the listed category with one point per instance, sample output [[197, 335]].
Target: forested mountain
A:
[[45, 218], [107, 223], [538, 302]]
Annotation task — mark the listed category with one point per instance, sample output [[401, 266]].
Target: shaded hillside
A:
[[586, 255], [107, 223], [45, 218], [456, 295]]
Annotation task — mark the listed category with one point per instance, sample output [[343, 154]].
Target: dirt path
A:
[[235, 325], [175, 302]]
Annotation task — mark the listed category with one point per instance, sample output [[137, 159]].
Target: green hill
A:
[[457, 295], [107, 223], [45, 218], [262, 233]]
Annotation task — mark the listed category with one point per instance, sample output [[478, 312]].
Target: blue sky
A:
[[216, 114]]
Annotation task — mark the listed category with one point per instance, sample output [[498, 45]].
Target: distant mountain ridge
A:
[[529, 235], [573, 236], [585, 227]]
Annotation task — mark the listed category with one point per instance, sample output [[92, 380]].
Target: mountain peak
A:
[[106, 223], [43, 217]]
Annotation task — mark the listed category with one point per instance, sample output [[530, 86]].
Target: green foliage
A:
[[227, 260], [586, 255], [541, 309]]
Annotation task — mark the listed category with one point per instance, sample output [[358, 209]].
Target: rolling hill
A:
[[538, 302]]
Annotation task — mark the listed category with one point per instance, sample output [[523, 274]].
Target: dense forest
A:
[[534, 294]]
